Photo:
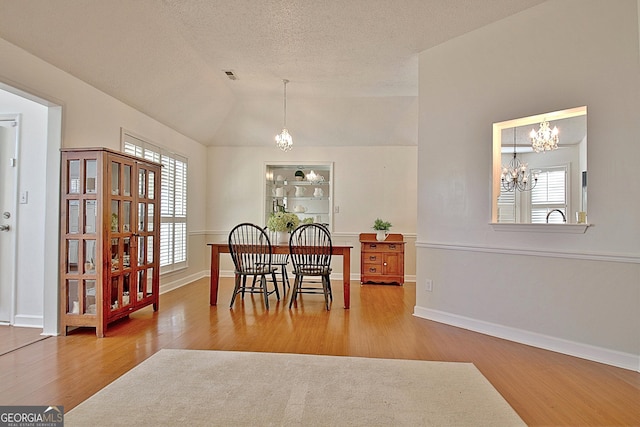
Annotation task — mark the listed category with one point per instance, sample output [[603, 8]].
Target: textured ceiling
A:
[[352, 64]]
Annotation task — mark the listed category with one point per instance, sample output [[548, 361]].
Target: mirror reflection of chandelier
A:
[[544, 139], [283, 139], [516, 174]]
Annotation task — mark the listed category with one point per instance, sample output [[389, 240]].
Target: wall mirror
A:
[[544, 186]]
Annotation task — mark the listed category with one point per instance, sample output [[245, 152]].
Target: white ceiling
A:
[[352, 64]]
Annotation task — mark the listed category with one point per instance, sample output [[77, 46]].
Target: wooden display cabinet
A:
[[381, 261], [109, 237]]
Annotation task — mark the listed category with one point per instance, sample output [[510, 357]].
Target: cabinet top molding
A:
[[391, 237], [109, 150]]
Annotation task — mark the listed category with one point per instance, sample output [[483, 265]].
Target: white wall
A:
[[369, 182], [92, 118], [574, 293]]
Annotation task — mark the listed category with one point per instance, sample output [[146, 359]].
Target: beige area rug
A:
[[222, 388]]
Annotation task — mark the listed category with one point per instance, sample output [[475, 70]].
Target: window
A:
[[173, 199], [550, 193]]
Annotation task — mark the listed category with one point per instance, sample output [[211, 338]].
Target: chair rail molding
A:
[[592, 256]]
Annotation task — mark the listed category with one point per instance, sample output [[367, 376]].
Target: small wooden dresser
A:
[[381, 261]]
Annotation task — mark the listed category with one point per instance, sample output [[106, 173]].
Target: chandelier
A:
[[515, 175], [284, 140], [544, 139]]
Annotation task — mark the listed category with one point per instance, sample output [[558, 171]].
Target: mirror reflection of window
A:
[[556, 178], [549, 197]]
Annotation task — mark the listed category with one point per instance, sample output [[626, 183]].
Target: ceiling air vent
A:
[[230, 74]]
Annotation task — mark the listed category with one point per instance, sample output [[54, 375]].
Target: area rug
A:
[[222, 388]]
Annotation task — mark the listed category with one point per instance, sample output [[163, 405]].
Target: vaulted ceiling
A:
[[352, 64]]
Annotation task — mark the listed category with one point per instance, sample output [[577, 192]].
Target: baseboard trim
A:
[[28, 321], [584, 351], [170, 286]]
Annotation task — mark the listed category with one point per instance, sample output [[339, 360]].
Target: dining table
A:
[[223, 248]]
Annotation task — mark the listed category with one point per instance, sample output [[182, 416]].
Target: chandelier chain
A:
[[516, 174], [283, 139], [285, 103]]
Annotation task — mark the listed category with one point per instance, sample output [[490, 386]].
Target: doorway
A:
[[9, 125]]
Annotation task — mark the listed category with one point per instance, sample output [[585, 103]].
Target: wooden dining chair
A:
[[310, 249], [251, 252]]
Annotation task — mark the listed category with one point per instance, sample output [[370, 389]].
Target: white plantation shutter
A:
[[550, 193], [173, 200], [173, 211], [507, 206]]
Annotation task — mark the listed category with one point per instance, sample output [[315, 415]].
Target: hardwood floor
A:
[[12, 338], [544, 388]]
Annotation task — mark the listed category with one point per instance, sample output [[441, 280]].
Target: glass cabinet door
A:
[[123, 220], [80, 228]]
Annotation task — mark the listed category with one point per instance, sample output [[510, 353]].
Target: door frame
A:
[[16, 185]]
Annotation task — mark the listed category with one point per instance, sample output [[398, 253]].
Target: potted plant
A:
[[283, 223], [382, 229]]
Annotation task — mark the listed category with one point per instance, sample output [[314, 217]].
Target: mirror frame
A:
[[535, 120]]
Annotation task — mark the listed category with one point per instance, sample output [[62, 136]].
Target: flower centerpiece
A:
[[283, 223], [382, 229]]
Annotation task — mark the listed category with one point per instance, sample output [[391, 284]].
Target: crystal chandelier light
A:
[[515, 175], [544, 139], [284, 140]]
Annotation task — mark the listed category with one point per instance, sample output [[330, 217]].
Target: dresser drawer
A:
[[382, 247], [372, 269], [372, 258]]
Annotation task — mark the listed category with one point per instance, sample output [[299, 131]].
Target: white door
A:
[[8, 173]]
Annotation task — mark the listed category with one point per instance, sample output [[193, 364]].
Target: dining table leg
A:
[[346, 273], [214, 275]]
